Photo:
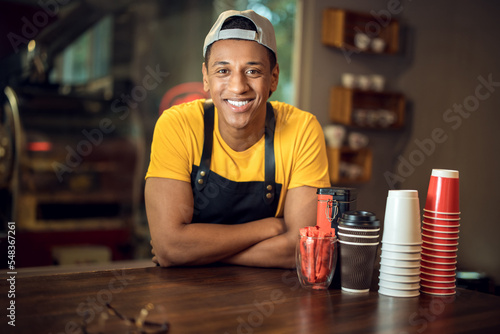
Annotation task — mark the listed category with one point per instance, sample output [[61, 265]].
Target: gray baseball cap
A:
[[264, 34]]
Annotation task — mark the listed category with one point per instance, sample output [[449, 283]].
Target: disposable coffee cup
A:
[[399, 271], [359, 231], [440, 241], [401, 248], [443, 193], [398, 285], [431, 218], [432, 230], [440, 279], [398, 293], [357, 263], [358, 238], [402, 218], [437, 291], [400, 263], [437, 272], [400, 256], [430, 252], [363, 220], [432, 258], [442, 213], [440, 247], [399, 278], [438, 285]]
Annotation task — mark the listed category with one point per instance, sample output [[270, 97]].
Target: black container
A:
[[332, 203]]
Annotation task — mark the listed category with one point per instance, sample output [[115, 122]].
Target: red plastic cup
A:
[[440, 241], [442, 222], [440, 216], [441, 285], [439, 265], [437, 291], [441, 248], [443, 192], [437, 272], [440, 228], [436, 279], [432, 258], [430, 252], [440, 235]]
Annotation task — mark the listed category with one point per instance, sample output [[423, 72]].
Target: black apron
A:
[[221, 201]]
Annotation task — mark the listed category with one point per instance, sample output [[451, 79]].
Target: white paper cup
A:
[[400, 263], [399, 271], [402, 218], [401, 248], [400, 256], [399, 278], [398, 293], [399, 286]]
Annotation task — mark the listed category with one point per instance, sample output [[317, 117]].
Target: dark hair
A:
[[240, 22]]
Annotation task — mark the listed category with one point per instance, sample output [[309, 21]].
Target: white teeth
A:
[[237, 103]]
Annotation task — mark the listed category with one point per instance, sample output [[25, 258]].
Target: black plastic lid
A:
[[350, 193], [359, 218]]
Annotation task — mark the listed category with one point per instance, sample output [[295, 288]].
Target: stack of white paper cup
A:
[[401, 245]]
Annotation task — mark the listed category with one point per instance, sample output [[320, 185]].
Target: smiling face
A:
[[239, 79]]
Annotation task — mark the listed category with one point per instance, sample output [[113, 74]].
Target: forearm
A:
[[276, 252], [196, 244]]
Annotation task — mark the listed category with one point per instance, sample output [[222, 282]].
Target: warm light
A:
[[31, 45], [40, 146]]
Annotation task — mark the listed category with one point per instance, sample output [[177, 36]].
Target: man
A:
[[235, 180]]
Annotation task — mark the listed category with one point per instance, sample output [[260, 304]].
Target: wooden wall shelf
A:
[[339, 28], [348, 166], [367, 109]]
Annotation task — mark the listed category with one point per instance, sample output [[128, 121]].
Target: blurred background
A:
[[83, 82]]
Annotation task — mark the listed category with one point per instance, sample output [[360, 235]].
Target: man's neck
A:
[[242, 139]]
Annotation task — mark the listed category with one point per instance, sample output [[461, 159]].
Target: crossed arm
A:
[[268, 242]]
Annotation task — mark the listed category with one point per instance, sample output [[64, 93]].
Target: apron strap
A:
[[206, 156], [270, 165]]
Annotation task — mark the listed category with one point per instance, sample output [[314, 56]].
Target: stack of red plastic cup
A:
[[440, 229]]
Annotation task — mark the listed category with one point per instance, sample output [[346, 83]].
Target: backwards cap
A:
[[264, 34]]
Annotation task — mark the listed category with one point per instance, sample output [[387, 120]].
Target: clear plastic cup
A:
[[316, 258]]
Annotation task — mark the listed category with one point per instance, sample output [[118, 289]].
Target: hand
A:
[[154, 259]]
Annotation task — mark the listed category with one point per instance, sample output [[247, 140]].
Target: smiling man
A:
[[234, 178]]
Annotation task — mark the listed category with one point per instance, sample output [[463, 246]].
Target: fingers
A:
[[154, 259]]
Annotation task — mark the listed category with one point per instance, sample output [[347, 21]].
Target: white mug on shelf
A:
[[378, 82], [357, 140], [364, 82], [362, 41], [335, 135], [378, 45], [348, 80]]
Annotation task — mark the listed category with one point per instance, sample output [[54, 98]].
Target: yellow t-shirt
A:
[[299, 149]]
